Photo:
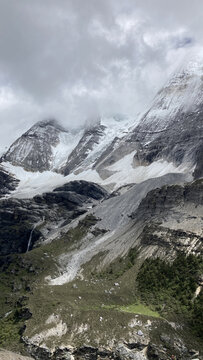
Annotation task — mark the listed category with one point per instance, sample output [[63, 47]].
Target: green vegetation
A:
[[17, 274], [119, 267], [136, 308], [96, 301], [197, 315], [9, 332], [21, 274], [172, 286], [139, 308]]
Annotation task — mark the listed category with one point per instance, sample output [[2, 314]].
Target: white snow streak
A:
[[32, 184], [76, 259]]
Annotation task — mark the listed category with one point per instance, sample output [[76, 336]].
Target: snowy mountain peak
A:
[[48, 146], [116, 150], [33, 150], [182, 93], [95, 141], [172, 128]]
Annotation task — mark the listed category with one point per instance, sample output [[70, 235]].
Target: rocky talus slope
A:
[[75, 317]]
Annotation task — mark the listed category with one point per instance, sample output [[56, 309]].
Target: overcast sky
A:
[[74, 59]]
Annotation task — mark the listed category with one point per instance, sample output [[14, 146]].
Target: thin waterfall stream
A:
[[31, 233]]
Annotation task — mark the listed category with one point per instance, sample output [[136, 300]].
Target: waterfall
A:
[[33, 228], [30, 237]]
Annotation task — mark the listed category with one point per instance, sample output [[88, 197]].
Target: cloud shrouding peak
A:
[[71, 59]]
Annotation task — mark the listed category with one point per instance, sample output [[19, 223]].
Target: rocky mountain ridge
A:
[[170, 132], [48, 146], [76, 256], [172, 128]]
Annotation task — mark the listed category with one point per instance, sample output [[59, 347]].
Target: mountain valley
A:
[[101, 234]]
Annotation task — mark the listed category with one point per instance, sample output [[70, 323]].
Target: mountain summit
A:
[[172, 128], [33, 150]]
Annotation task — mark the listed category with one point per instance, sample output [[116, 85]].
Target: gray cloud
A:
[[71, 59]]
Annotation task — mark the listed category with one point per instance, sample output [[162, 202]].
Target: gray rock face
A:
[[17, 216], [171, 129], [7, 182], [167, 197], [179, 143], [85, 145], [115, 211], [121, 351], [114, 152], [161, 223], [171, 218], [33, 150], [85, 188]]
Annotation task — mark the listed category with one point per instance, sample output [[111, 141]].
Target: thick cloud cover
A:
[[72, 59]]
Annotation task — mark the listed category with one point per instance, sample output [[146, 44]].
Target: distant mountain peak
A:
[[33, 150]]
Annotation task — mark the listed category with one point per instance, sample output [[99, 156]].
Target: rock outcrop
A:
[[172, 220], [7, 182], [168, 348], [18, 216]]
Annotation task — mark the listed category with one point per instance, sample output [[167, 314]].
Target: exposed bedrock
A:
[[18, 216]]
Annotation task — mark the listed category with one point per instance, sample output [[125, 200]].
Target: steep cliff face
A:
[[21, 219], [172, 221], [90, 138], [167, 197], [172, 128], [33, 150], [7, 182], [181, 143]]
